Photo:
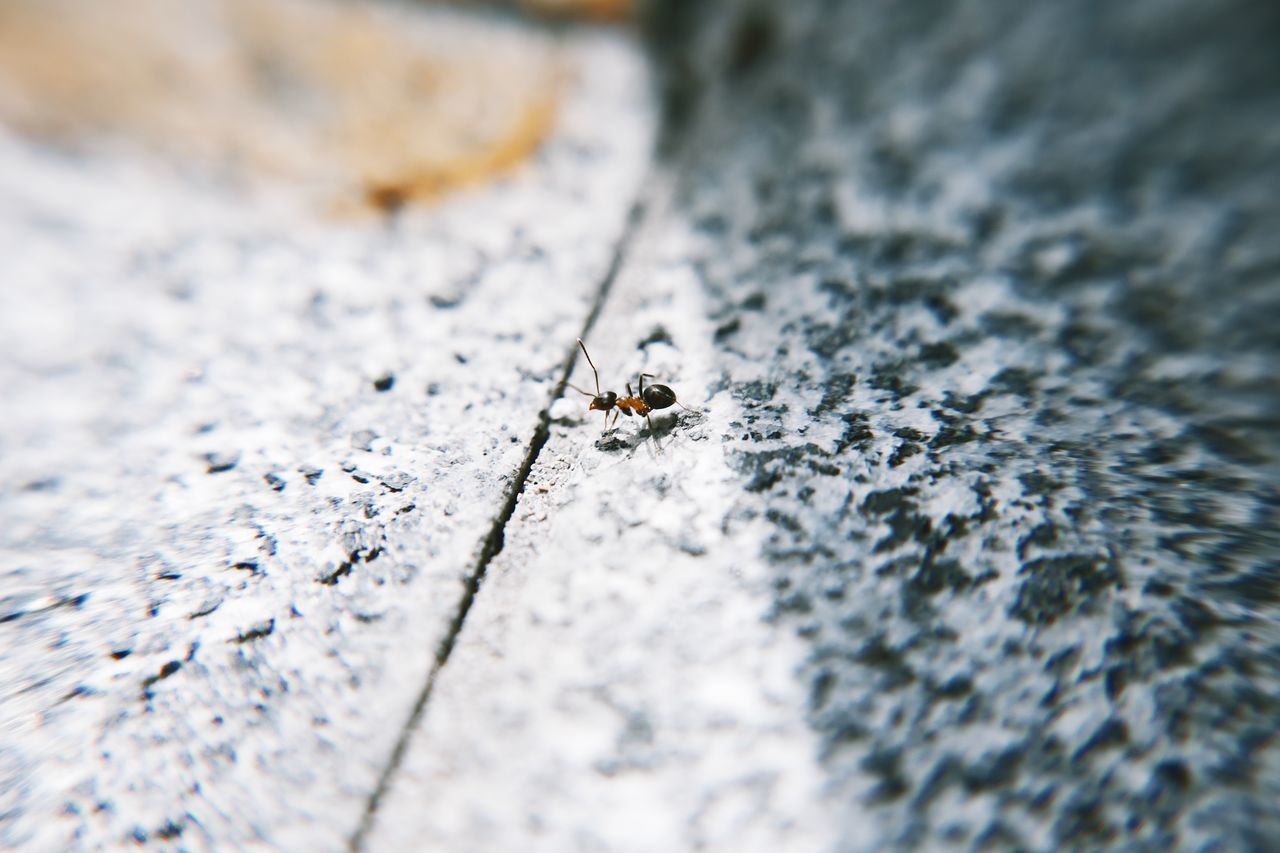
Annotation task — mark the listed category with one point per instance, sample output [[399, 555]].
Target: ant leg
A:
[[592, 363], [650, 420]]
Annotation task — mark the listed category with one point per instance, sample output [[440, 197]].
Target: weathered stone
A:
[[1032, 244], [1024, 229], [969, 539], [271, 451]]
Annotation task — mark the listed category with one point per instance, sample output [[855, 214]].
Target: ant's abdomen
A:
[[659, 397]]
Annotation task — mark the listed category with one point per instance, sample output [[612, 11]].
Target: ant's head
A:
[[603, 403]]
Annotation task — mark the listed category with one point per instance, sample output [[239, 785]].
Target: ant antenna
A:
[[579, 390], [592, 363]]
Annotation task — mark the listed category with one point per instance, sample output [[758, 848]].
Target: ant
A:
[[650, 398]]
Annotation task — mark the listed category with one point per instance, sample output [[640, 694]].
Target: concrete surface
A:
[[969, 540], [979, 303], [1019, 292], [249, 463], [617, 687]]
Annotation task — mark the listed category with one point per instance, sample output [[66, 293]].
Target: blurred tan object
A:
[[598, 10], [358, 102]]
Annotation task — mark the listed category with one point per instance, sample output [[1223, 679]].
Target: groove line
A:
[[495, 539]]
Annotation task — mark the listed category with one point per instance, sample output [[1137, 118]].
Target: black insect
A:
[[650, 398]]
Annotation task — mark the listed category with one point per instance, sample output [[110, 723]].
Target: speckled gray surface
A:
[[974, 308], [248, 461], [616, 685], [1022, 260], [969, 541]]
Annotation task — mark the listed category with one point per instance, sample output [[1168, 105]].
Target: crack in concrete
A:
[[493, 542]]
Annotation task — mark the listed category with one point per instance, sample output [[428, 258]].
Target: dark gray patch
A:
[[1127, 233], [222, 461], [657, 335], [1057, 586], [257, 631], [166, 671]]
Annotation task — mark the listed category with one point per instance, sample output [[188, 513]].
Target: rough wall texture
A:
[[249, 460], [616, 685], [969, 538], [996, 287]]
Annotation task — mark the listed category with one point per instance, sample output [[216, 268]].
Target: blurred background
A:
[[369, 104]]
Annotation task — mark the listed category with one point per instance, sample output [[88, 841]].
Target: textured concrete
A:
[[249, 463], [969, 540], [616, 686], [997, 290], [980, 304]]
